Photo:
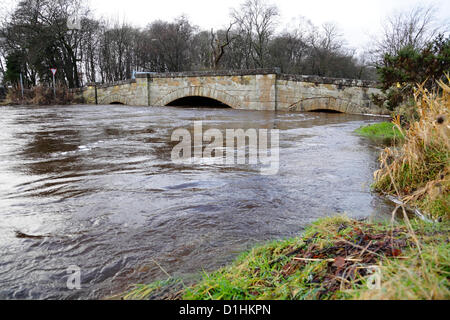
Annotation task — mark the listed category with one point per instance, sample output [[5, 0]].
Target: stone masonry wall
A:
[[250, 90], [347, 96], [129, 92]]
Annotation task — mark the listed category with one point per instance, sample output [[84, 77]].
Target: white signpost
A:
[[54, 86]]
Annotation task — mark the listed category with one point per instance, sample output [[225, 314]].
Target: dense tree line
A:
[[35, 38]]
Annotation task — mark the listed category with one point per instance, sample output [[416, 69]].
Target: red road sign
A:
[[54, 70]]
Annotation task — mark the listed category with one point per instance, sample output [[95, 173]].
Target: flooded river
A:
[[96, 188]]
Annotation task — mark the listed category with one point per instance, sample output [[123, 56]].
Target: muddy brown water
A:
[[94, 187]]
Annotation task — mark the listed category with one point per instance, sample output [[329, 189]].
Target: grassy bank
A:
[[332, 260], [384, 132]]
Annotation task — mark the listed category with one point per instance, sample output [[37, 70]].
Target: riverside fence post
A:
[[54, 86], [21, 84], [96, 96]]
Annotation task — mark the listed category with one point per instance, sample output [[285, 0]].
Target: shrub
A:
[[41, 95], [401, 72]]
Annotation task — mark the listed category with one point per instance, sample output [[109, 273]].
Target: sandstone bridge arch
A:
[[199, 91], [114, 99], [326, 103]]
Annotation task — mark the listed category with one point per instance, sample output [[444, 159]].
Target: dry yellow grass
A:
[[418, 170]]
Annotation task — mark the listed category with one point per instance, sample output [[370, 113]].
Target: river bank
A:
[[339, 258], [40, 96]]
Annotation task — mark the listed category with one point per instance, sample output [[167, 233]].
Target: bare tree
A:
[[256, 23], [37, 32], [37, 38], [288, 52], [90, 43], [414, 28], [325, 48], [172, 45], [200, 51], [218, 46]]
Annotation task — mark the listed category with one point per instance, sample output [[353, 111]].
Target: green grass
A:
[[163, 289], [273, 271], [428, 174], [383, 131]]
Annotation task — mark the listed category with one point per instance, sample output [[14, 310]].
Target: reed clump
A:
[[336, 258], [418, 171]]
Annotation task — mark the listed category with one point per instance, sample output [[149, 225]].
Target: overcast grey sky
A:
[[357, 19]]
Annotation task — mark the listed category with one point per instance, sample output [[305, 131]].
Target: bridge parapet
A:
[[211, 73], [326, 80], [276, 71], [109, 84]]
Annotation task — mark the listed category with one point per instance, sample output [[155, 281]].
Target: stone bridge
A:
[[246, 89]]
